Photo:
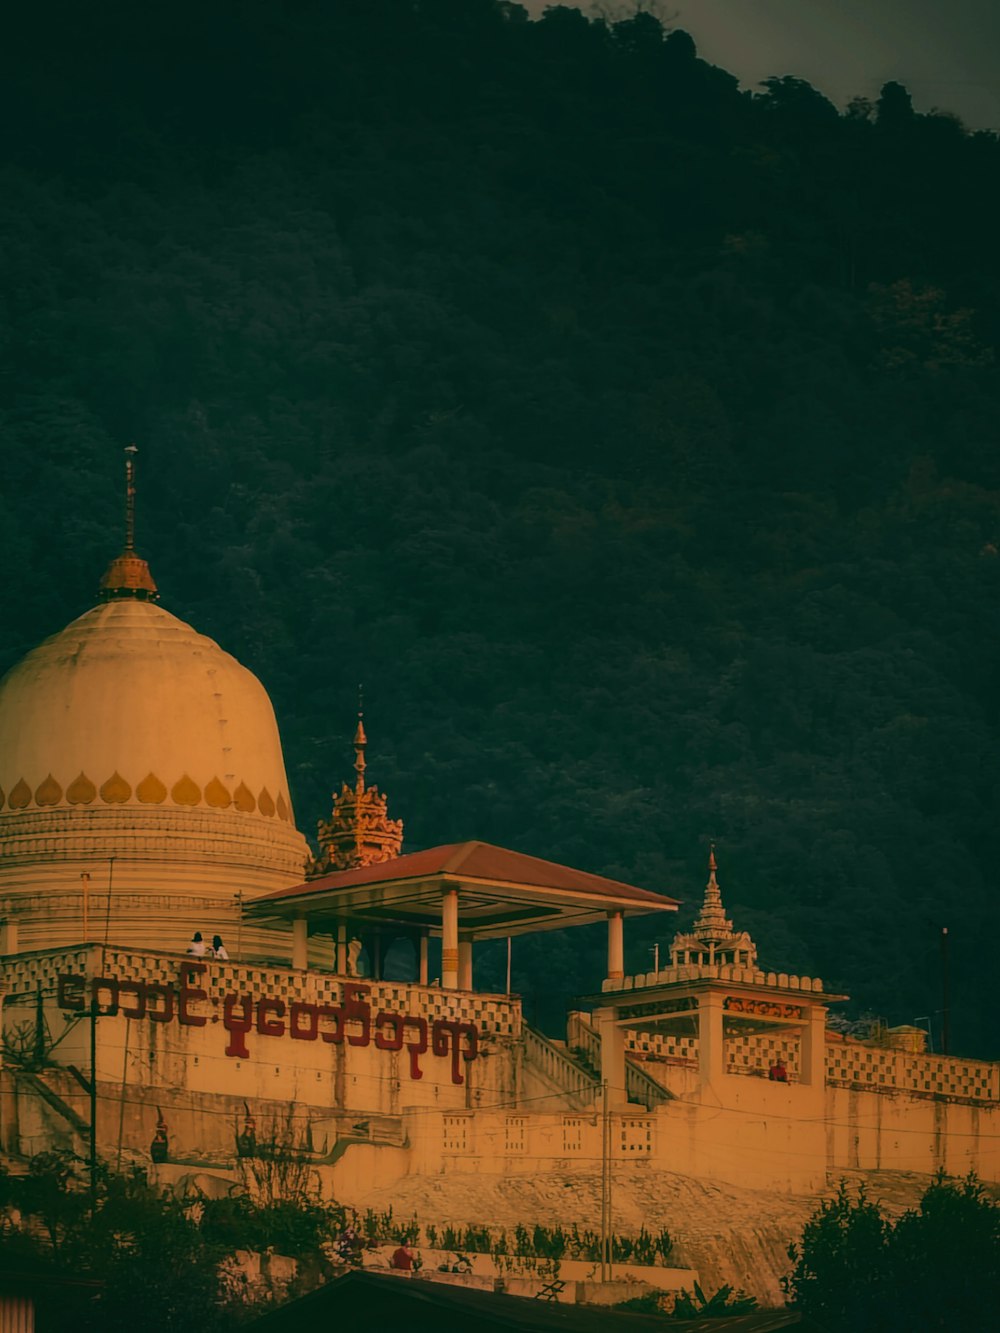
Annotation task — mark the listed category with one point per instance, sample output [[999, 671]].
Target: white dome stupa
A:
[[137, 752]]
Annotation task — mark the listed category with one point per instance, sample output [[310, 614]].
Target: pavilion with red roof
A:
[[462, 892]]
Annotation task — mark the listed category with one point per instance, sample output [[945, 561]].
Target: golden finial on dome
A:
[[128, 574], [359, 831]]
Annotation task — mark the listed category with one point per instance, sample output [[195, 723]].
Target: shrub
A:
[[937, 1267]]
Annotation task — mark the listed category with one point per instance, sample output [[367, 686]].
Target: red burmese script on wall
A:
[[349, 1022]]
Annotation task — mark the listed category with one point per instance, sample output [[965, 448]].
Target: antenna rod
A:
[[945, 1016], [130, 453]]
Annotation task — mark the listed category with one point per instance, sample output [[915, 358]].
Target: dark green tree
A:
[[937, 1267], [946, 1258], [141, 1247], [841, 1263]]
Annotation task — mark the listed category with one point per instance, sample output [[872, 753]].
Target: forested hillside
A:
[[631, 437]]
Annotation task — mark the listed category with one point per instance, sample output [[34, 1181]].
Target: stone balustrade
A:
[[545, 1136], [640, 1087], [494, 1015], [557, 1066], [670, 976]]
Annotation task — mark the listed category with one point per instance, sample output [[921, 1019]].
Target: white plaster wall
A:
[[896, 1131], [501, 1119]]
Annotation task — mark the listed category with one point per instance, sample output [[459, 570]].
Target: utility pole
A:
[[107, 914], [121, 1095], [93, 1104], [606, 1236], [85, 892]]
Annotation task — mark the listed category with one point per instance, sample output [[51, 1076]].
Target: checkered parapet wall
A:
[[744, 1055], [857, 1065], [496, 1015], [848, 1063]]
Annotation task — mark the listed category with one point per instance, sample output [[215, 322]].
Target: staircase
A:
[[585, 1044], [573, 1071], [27, 1078], [567, 1077]]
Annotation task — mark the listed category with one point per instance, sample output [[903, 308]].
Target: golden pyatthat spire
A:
[[128, 574], [711, 940], [360, 741], [711, 922], [359, 831]]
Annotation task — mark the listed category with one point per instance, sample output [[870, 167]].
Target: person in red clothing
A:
[[403, 1258], [778, 1073]]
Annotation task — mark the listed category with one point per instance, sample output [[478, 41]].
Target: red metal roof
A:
[[476, 861]]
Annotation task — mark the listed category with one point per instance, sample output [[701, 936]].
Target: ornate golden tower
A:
[[711, 939], [359, 831]]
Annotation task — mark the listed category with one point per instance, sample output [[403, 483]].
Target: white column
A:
[[449, 939], [465, 965], [340, 960], [812, 1047], [612, 1055], [711, 1043], [616, 946], [300, 944], [422, 974]]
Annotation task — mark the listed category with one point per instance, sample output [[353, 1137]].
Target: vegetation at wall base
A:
[[722, 1303], [127, 1235], [138, 1244], [539, 1242]]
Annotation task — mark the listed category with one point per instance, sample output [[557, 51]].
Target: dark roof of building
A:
[[390, 1301], [501, 888]]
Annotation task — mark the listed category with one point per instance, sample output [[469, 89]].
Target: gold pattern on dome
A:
[[3, 798], [216, 795], [265, 804], [116, 790], [186, 791], [20, 795], [151, 790], [282, 805], [48, 792], [359, 831], [243, 799], [81, 791]]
